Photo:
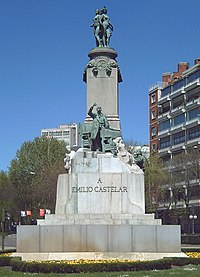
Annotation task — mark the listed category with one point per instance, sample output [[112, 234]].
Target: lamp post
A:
[[3, 228], [147, 170], [149, 184], [32, 173], [173, 198], [186, 198], [196, 148], [186, 203], [193, 218], [170, 198]]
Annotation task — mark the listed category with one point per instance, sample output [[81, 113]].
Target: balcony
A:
[[192, 84], [178, 127], [164, 151], [178, 146], [193, 103], [177, 110], [166, 131], [158, 85], [193, 142], [164, 115], [164, 99], [177, 92], [192, 122]]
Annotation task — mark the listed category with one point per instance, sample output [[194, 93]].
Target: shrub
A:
[[190, 239], [5, 260], [185, 261], [68, 267], [94, 266], [7, 251], [192, 249]]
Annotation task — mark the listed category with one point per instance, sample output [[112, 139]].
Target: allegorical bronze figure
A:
[[102, 28]]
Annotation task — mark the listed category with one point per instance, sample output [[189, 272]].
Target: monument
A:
[[100, 205]]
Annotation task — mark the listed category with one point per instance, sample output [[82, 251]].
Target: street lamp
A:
[[173, 197], [193, 218], [186, 196], [32, 173], [196, 148], [170, 197]]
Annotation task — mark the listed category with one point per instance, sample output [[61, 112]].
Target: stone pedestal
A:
[[102, 76], [100, 184], [100, 208], [123, 238]]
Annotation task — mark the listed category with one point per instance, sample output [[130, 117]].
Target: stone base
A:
[[99, 238], [100, 207], [100, 184], [96, 256], [96, 219]]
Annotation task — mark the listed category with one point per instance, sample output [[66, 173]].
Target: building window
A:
[[165, 107], [164, 142], [153, 147], [166, 158], [153, 114], [153, 98], [178, 101], [164, 125], [179, 119], [65, 132], [194, 132], [179, 137], [153, 131], [166, 91], [57, 133], [193, 76], [45, 134], [177, 153], [178, 84], [193, 114]]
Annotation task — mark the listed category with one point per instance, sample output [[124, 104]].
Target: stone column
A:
[[102, 76]]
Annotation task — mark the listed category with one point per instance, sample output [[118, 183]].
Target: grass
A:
[[189, 270]]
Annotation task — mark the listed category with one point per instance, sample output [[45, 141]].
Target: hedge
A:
[[190, 239], [7, 251], [190, 249], [113, 266], [47, 267], [5, 260]]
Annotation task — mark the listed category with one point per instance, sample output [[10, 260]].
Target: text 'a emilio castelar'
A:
[[99, 189]]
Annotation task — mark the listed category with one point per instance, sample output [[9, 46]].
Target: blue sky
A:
[[44, 49]]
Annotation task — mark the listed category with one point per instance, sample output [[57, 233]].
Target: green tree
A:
[[185, 169], [6, 193], [155, 178], [186, 166], [34, 173]]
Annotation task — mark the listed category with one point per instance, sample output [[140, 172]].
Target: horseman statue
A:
[[102, 28]]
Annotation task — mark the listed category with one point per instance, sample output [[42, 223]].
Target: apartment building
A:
[[175, 111], [174, 116], [65, 132], [179, 114]]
